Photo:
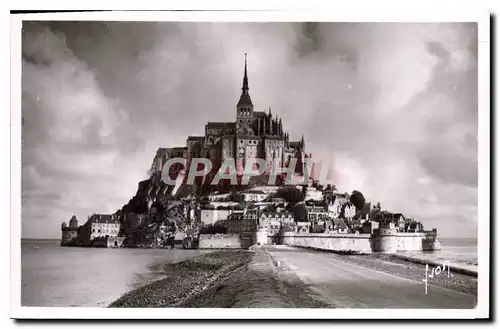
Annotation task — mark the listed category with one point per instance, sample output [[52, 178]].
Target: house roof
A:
[[316, 210], [283, 214], [103, 219], [191, 138]]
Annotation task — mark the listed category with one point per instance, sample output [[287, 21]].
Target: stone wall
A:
[[69, 237], [390, 240], [385, 241], [220, 241], [360, 243]]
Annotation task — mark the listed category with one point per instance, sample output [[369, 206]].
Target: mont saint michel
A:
[[249, 165]]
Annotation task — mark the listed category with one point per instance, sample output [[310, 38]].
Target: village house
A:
[[98, 229], [273, 221], [335, 203], [317, 213], [348, 211], [255, 196]]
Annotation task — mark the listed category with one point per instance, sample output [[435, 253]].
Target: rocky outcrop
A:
[[153, 218], [166, 220]]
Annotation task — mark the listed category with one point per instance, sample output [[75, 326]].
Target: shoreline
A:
[[249, 278], [185, 279]]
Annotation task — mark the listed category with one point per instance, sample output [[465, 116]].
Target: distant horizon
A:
[[439, 237], [398, 122]]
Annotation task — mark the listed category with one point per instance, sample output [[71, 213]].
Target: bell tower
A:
[[244, 109]]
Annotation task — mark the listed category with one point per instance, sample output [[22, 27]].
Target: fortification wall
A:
[[384, 241], [220, 241], [358, 243], [389, 240]]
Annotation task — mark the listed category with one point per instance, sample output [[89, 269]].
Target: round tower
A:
[[63, 226]]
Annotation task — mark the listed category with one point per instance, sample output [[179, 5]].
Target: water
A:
[[52, 275], [459, 252]]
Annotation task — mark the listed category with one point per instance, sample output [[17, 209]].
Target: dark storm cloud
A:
[[310, 38], [395, 106]]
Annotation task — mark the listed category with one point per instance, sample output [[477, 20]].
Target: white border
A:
[[340, 15]]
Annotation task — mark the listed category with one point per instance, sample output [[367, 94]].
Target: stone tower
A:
[[73, 223], [244, 108]]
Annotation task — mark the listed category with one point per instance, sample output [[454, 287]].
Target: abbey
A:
[[253, 134]]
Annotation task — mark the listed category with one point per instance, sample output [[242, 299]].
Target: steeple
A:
[[245, 96], [302, 142], [245, 76]]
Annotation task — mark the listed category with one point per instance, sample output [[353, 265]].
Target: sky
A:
[[391, 106]]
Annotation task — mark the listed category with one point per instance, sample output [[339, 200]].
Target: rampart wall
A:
[[386, 241], [220, 241]]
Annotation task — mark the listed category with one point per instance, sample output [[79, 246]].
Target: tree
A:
[[290, 194], [357, 199], [236, 197], [299, 212]]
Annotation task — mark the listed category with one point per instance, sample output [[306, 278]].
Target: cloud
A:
[[393, 106]]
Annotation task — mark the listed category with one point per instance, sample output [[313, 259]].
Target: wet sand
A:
[[281, 277], [185, 279]]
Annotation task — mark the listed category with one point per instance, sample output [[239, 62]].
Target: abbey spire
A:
[[245, 96], [245, 77]]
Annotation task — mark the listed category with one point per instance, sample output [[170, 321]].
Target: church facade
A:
[[253, 134]]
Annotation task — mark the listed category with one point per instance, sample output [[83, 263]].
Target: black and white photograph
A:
[[249, 165]]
